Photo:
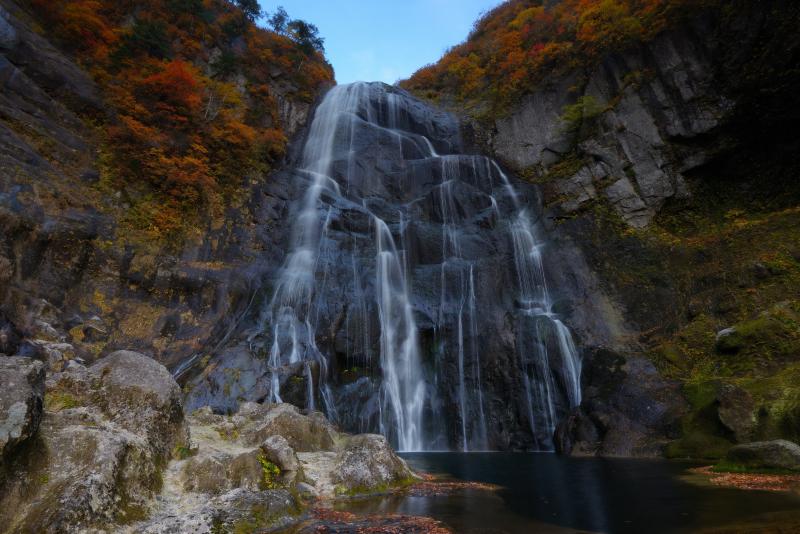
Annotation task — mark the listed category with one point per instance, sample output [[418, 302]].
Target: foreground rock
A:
[[778, 454], [367, 462], [330, 521], [255, 470], [98, 457], [21, 402], [107, 449]]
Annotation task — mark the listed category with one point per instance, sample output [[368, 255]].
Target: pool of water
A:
[[549, 493]]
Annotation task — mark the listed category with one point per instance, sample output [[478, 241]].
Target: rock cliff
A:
[[654, 164], [75, 280]]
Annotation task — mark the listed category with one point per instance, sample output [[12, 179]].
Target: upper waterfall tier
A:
[[413, 298]]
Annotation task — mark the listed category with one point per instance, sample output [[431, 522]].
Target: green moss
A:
[[360, 490], [698, 445], [182, 452], [703, 433], [584, 110], [777, 398], [270, 473], [228, 434], [725, 466], [56, 401], [566, 167]]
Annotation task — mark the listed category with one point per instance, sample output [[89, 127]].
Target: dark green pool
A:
[[549, 493]]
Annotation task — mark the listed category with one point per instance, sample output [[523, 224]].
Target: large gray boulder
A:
[[97, 460], [216, 472], [367, 463], [777, 454], [140, 395], [304, 433], [21, 401], [737, 412]]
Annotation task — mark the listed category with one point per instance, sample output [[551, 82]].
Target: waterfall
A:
[[405, 263], [403, 384], [535, 302]]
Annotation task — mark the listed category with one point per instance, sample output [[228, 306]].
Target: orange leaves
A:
[[521, 42], [468, 72], [80, 23], [189, 87], [175, 91]]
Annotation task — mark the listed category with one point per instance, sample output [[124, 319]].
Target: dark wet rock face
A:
[[628, 409]]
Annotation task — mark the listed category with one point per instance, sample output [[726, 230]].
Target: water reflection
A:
[[548, 493]]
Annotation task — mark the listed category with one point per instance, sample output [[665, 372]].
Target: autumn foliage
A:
[[520, 43], [190, 87]]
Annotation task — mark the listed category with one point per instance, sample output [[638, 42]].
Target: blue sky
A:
[[385, 40]]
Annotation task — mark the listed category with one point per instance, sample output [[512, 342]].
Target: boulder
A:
[[277, 450], [368, 463], [90, 473], [777, 454], [737, 412], [303, 433], [217, 472], [228, 456], [21, 401], [97, 460], [236, 511], [140, 395]]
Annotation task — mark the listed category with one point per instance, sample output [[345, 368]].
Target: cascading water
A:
[[413, 299], [403, 382]]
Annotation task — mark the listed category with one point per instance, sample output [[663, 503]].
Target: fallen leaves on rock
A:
[[328, 521], [751, 481], [438, 488]]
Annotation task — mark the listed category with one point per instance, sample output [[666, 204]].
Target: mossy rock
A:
[[698, 445]]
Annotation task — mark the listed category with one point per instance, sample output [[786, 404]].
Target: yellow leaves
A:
[[607, 22], [468, 72], [518, 44], [527, 16]]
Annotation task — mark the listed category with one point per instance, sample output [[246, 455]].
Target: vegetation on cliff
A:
[[193, 90], [517, 45]]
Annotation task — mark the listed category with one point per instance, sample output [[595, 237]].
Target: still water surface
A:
[[548, 493]]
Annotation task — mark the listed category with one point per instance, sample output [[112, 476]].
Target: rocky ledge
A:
[[108, 448]]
